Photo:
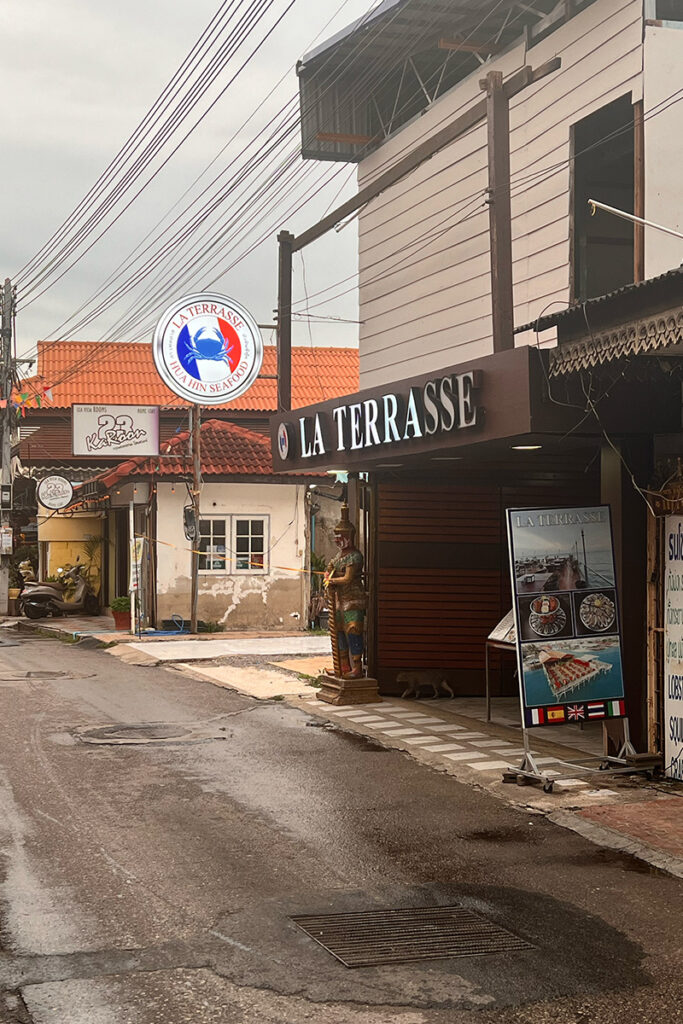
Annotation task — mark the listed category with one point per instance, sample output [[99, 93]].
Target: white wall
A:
[[239, 601], [663, 148], [433, 309]]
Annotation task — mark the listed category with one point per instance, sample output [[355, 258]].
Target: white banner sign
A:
[[115, 430], [673, 647]]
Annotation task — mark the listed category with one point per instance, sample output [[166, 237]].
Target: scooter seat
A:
[[44, 583]]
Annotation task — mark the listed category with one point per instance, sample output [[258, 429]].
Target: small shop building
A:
[[103, 374], [254, 532]]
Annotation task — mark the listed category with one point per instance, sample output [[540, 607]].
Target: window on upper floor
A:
[[603, 148], [669, 10]]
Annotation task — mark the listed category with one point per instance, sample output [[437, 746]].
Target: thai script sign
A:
[[566, 615], [115, 430], [207, 349], [673, 647]]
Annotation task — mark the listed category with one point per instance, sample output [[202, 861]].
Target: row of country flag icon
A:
[[562, 713]]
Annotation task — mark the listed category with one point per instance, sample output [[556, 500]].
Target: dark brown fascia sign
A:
[[439, 406]]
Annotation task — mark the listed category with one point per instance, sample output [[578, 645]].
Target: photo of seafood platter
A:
[[595, 612], [545, 616]]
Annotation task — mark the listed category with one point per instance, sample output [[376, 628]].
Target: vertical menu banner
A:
[[566, 614], [673, 647]]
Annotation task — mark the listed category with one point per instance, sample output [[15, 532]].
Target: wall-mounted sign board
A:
[[115, 430], [673, 647], [54, 492]]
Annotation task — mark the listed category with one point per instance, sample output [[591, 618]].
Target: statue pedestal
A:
[[334, 690]]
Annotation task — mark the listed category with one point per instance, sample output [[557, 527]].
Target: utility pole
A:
[[7, 380], [196, 414]]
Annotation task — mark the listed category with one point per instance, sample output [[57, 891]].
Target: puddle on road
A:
[[604, 857], [364, 744], [501, 835]]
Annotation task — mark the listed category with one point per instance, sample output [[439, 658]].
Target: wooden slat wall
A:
[[425, 290], [443, 578]]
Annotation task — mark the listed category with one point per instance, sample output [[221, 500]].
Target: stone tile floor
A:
[[482, 752]]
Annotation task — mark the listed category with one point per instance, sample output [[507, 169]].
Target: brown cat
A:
[[417, 678]]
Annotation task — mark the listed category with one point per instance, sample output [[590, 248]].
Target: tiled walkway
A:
[[456, 744]]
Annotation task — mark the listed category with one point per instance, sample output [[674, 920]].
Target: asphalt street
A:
[[154, 879]]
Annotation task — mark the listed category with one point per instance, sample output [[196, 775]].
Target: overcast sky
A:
[[79, 75]]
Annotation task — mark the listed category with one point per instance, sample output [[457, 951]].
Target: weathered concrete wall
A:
[[274, 599]]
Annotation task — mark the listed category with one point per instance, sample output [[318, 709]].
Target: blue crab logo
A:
[[209, 346]]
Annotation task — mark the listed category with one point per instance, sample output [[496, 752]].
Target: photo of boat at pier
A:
[[561, 549], [583, 669]]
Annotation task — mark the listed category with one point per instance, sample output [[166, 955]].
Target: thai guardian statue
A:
[[347, 601]]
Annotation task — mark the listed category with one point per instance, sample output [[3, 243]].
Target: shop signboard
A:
[[207, 349], [673, 647], [115, 430], [54, 492], [566, 615], [137, 554]]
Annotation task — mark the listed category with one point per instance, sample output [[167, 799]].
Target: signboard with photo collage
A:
[[566, 615]]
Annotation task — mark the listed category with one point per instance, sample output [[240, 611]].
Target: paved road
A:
[[155, 882]]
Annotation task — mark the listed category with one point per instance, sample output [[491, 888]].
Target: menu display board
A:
[[566, 614]]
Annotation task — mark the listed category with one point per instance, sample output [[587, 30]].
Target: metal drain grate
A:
[[399, 936]]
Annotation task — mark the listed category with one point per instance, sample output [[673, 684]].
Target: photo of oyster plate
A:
[[547, 617], [598, 612]]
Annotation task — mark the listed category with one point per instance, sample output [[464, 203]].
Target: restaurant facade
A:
[[473, 217]]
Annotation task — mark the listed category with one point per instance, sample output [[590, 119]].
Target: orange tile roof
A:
[[124, 373], [227, 450]]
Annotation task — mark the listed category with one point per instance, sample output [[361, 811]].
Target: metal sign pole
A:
[[196, 414]]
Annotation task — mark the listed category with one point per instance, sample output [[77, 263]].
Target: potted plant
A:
[[120, 609]]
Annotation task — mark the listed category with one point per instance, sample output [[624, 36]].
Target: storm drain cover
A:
[[131, 734], [398, 936]]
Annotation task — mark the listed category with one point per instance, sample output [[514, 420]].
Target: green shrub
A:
[[120, 604]]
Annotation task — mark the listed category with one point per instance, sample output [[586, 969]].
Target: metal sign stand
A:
[[626, 762]]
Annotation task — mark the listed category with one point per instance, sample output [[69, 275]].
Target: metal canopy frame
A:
[[422, 48]]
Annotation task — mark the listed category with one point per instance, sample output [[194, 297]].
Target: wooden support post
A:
[[284, 322], [638, 191], [655, 633], [196, 413], [500, 218]]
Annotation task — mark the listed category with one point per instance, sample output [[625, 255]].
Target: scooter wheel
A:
[[91, 605], [31, 611]]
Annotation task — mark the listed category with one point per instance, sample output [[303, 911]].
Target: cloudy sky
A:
[[82, 74]]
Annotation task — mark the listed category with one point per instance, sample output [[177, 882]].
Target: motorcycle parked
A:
[[39, 599]]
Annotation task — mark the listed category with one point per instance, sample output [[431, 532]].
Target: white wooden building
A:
[[606, 125]]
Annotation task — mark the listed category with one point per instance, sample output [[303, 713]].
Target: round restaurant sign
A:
[[54, 492], [207, 349]]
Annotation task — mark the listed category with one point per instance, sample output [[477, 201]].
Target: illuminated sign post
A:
[[208, 350]]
